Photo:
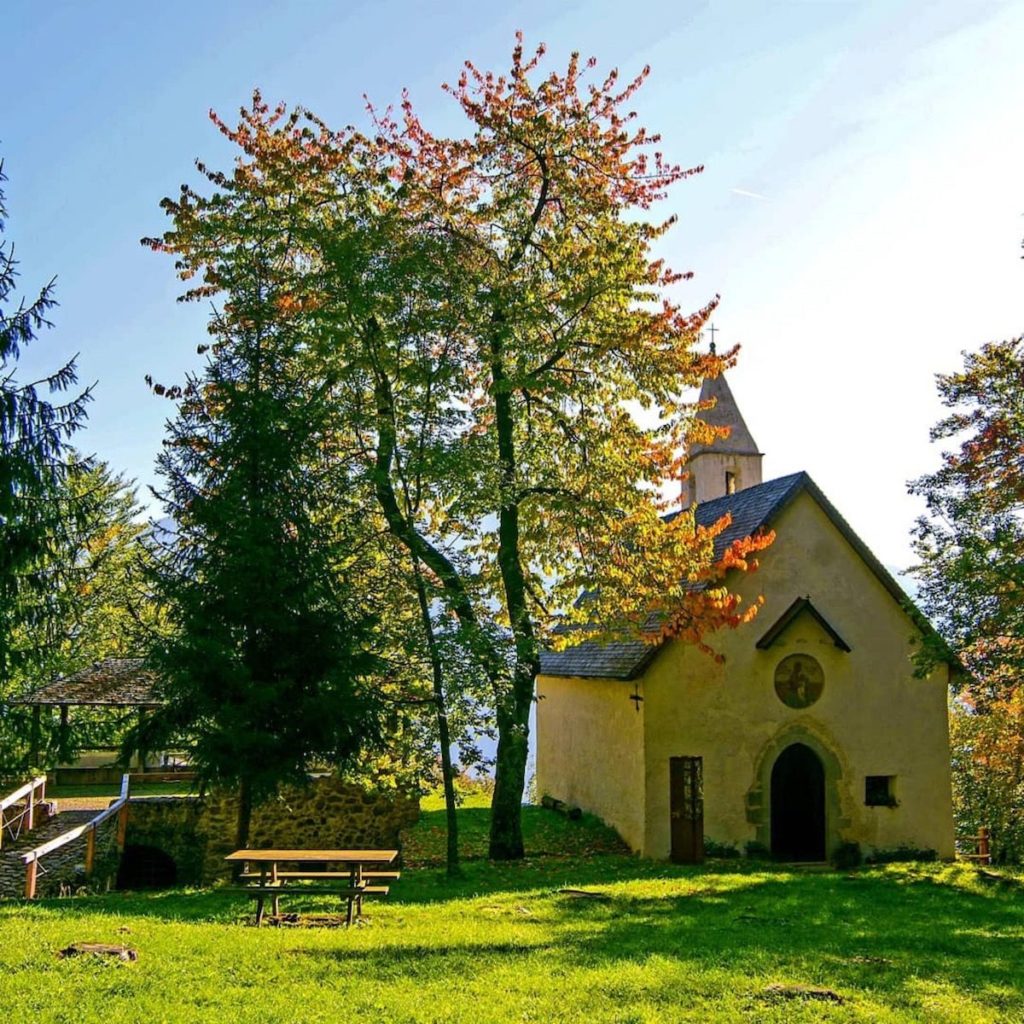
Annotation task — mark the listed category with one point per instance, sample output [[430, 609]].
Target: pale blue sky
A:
[[861, 211]]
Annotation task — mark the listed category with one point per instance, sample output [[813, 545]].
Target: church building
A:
[[812, 731]]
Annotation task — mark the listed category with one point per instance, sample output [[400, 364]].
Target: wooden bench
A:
[[260, 893], [356, 867], [255, 875]]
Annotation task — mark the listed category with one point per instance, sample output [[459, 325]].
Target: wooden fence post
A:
[[122, 827], [90, 851], [984, 852], [30, 814], [30, 880]]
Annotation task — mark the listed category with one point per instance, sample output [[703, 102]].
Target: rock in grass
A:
[[582, 894], [125, 953], [825, 995]]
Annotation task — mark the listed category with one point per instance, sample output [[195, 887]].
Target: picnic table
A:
[[355, 874]]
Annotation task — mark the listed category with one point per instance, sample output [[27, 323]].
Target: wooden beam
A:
[[63, 736], [90, 852], [122, 827], [37, 713]]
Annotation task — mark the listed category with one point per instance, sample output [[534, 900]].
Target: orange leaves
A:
[[660, 579]]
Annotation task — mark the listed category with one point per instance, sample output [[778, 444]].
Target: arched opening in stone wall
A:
[[146, 867], [798, 805]]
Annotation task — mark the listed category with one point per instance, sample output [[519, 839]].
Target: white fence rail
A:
[[31, 793], [31, 858]]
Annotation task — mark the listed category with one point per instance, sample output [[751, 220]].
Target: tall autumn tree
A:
[[34, 435], [971, 542], [491, 311], [971, 572]]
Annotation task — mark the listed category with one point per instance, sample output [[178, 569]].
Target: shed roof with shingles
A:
[[113, 682], [753, 509]]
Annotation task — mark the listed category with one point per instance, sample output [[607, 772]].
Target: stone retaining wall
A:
[[327, 814]]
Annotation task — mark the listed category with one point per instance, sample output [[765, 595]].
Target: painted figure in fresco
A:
[[798, 681]]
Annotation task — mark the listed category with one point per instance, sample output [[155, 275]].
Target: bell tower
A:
[[729, 464]]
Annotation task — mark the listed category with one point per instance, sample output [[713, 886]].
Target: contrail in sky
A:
[[747, 193]]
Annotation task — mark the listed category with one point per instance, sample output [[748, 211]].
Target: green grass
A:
[[936, 943], [546, 833]]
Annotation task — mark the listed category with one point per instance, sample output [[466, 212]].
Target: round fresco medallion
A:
[[799, 680]]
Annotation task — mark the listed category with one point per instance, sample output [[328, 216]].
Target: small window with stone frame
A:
[[730, 482], [880, 790]]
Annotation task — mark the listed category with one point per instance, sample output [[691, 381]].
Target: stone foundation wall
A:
[[327, 814]]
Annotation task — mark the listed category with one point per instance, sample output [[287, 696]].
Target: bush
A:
[[726, 851], [899, 855], [847, 856], [757, 851]]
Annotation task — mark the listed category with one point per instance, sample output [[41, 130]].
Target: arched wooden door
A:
[[798, 805]]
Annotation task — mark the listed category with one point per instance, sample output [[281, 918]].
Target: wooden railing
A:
[[982, 848], [118, 807], [32, 793]]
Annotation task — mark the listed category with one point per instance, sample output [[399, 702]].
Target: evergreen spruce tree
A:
[[34, 435], [266, 659]]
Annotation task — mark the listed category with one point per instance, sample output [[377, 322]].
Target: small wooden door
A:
[[686, 805]]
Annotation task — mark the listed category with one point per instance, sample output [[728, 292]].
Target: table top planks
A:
[[323, 856]]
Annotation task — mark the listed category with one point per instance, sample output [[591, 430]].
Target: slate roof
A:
[[113, 682], [753, 509]]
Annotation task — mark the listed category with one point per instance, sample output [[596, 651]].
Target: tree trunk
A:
[[243, 821], [506, 842], [514, 718], [444, 736]]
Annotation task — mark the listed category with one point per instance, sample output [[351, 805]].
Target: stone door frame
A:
[[758, 799]]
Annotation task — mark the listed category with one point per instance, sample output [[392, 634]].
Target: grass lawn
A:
[[912, 942]]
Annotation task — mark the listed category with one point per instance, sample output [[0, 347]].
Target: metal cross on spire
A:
[[712, 330]]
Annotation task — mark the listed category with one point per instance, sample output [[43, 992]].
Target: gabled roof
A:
[[113, 682], [753, 510], [790, 615]]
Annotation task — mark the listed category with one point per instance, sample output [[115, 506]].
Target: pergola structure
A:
[[111, 683]]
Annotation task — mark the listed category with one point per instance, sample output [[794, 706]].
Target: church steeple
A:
[[730, 463]]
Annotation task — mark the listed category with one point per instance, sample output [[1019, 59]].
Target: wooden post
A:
[[141, 751], [122, 827], [37, 713], [30, 880], [984, 854], [30, 813], [63, 735], [90, 851]]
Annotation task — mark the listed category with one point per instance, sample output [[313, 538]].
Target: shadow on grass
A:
[[882, 930], [423, 959], [890, 934]]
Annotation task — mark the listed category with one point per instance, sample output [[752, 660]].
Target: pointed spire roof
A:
[[725, 413]]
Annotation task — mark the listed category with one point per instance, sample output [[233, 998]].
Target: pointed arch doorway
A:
[[798, 805]]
